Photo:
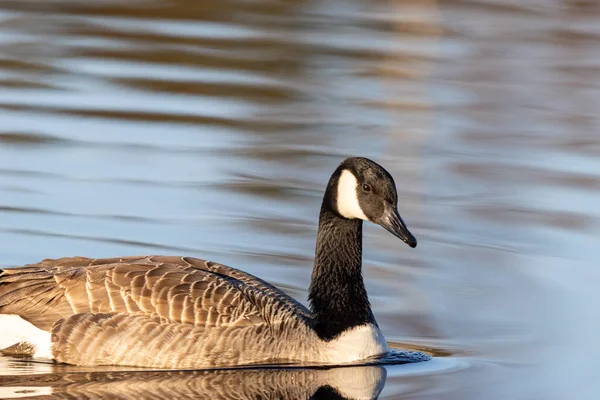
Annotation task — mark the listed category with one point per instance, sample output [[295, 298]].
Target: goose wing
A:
[[173, 289]]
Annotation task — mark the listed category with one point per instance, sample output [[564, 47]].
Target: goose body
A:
[[183, 312]]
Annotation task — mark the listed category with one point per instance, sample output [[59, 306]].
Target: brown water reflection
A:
[[294, 384], [210, 129], [41, 380]]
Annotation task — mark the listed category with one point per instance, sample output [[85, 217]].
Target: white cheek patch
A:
[[347, 198]]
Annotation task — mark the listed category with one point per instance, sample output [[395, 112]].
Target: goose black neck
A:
[[337, 292]]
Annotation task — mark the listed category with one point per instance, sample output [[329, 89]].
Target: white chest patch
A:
[[16, 330], [347, 198], [357, 344]]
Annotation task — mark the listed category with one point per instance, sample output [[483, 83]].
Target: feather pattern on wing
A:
[[155, 311]]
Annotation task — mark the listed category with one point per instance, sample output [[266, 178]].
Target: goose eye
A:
[[366, 187]]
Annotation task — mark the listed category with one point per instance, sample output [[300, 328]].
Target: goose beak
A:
[[394, 224]]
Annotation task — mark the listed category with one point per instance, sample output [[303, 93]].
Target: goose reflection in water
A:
[[360, 382]]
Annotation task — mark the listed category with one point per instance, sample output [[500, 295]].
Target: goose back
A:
[[155, 311]]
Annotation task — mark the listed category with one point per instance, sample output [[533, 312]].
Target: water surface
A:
[[210, 129]]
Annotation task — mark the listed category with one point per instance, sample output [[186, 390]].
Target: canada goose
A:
[[182, 312]]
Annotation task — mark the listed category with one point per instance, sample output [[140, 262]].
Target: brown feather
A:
[[174, 312]]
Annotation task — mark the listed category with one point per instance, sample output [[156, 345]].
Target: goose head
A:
[[362, 189]]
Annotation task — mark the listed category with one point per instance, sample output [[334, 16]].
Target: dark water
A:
[[209, 128]]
